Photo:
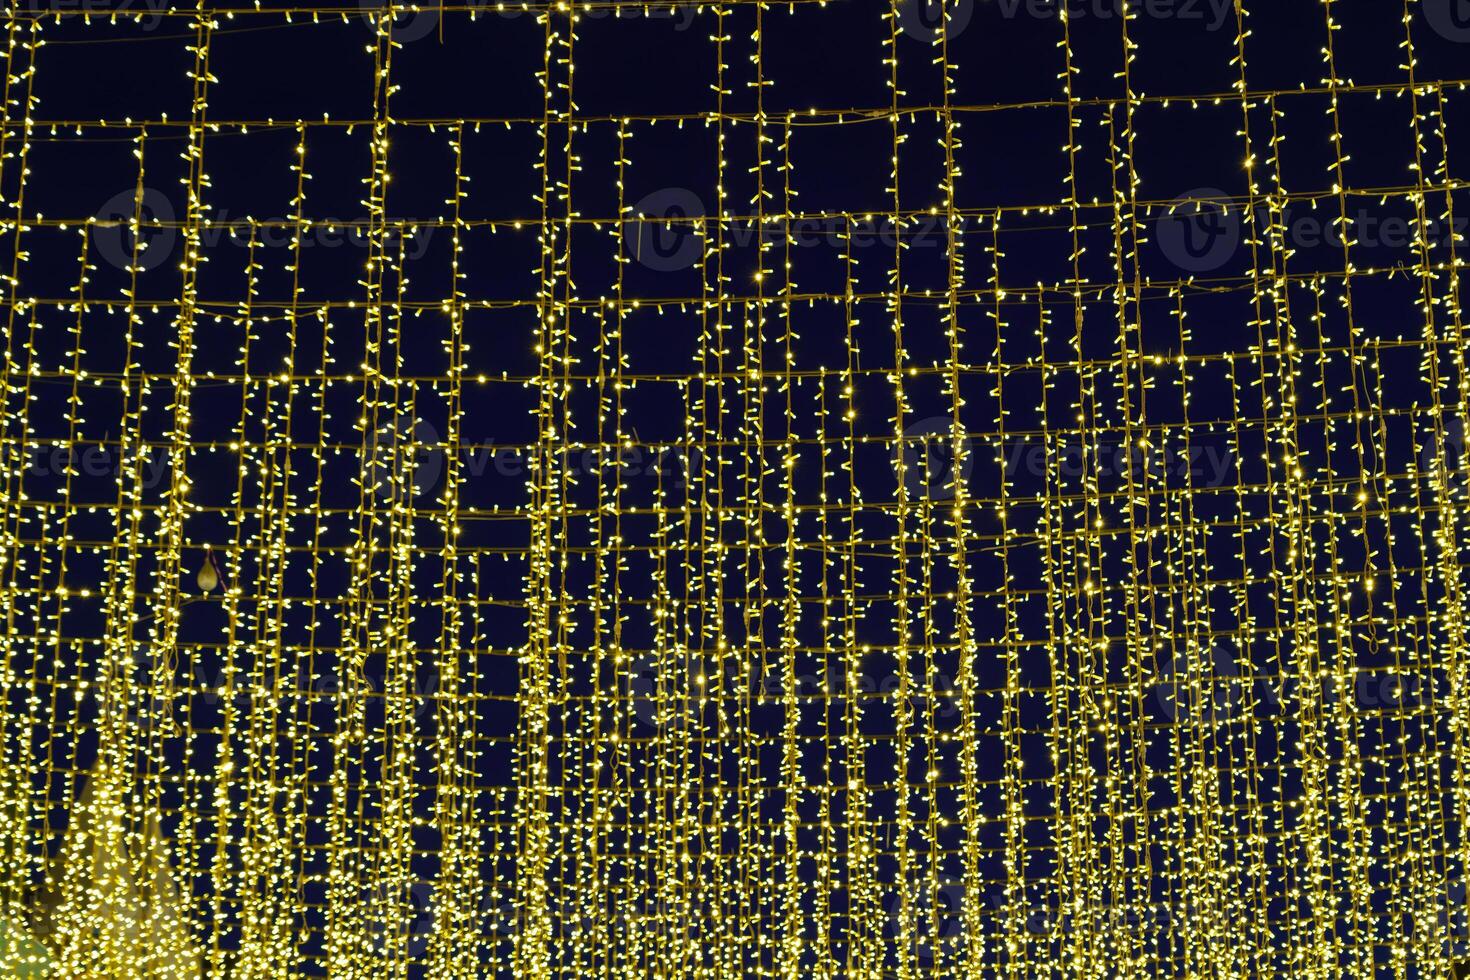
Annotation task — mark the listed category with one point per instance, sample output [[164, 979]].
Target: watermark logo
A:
[[401, 450], [1445, 454], [413, 22], [1449, 18], [930, 20], [134, 229], [146, 709], [664, 237], [401, 457], [1200, 233], [1218, 692], [935, 913], [1454, 926], [660, 704], [933, 930], [651, 917], [1214, 13], [146, 468], [1217, 697], [643, 690], [672, 224], [932, 459], [407, 22], [133, 9], [1200, 464], [155, 233], [423, 695], [402, 928]]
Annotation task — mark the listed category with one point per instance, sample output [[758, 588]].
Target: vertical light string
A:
[[20, 811], [1449, 503], [1347, 587], [533, 939], [1005, 941], [1242, 647], [615, 757], [704, 569], [908, 889], [299, 683], [1066, 650], [970, 957], [1418, 881], [864, 952], [1131, 854], [452, 944], [363, 904]]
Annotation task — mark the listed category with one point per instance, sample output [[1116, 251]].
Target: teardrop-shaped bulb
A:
[[208, 579]]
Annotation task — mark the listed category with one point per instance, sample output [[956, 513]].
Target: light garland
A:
[[311, 692]]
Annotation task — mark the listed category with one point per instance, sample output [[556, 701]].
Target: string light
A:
[[301, 695]]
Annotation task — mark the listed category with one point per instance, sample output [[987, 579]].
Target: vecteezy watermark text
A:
[[94, 461], [146, 13], [140, 230], [929, 917], [669, 229], [1199, 464], [1208, 687], [657, 707], [930, 20], [415, 21], [1204, 229], [1213, 13], [406, 457]]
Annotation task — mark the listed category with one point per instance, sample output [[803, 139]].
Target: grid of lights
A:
[[306, 805]]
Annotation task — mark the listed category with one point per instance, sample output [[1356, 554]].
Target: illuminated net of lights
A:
[[353, 629]]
